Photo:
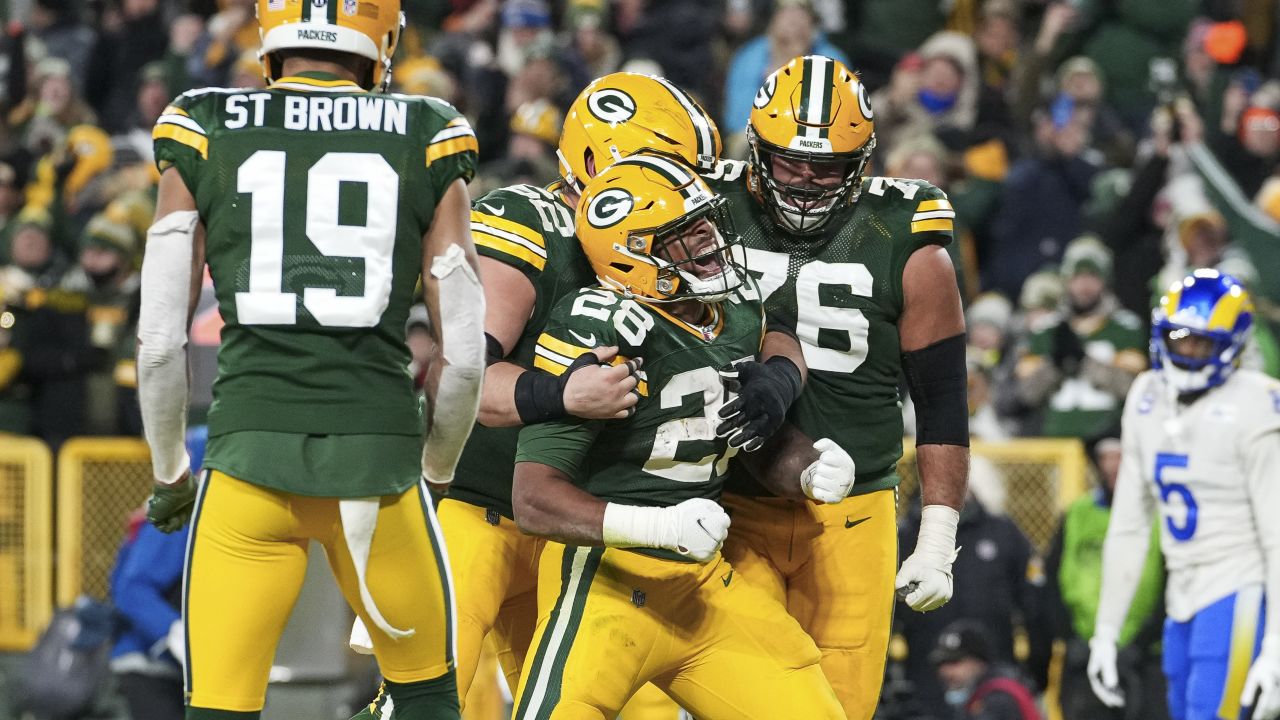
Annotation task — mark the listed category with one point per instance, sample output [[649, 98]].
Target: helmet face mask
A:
[[1199, 331], [694, 255], [805, 207], [654, 231], [810, 118]]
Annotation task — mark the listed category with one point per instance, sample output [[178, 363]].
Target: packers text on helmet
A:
[[653, 230], [813, 119], [367, 28], [624, 113]]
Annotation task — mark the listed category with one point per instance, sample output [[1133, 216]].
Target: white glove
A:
[[360, 641], [177, 641], [1103, 677], [1262, 686], [695, 528], [828, 478], [924, 581]]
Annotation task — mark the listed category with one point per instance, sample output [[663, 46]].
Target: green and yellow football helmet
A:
[[624, 113], [815, 111], [653, 230]]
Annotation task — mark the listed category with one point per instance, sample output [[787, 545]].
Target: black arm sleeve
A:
[[937, 378]]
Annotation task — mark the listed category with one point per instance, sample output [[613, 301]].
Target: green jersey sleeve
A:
[[933, 222], [561, 444], [452, 150], [507, 227], [579, 323], [180, 139]]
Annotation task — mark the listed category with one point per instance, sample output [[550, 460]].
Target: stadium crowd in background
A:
[[1094, 151]]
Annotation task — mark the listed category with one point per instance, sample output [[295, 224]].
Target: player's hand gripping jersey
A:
[[315, 204], [841, 293]]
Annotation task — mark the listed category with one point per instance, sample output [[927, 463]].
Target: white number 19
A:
[[262, 176]]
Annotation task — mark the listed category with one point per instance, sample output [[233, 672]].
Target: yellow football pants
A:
[[610, 620], [495, 580], [833, 568], [495, 575], [246, 559]]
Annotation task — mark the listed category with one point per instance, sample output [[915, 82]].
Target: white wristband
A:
[[631, 526], [937, 539], [1105, 634]]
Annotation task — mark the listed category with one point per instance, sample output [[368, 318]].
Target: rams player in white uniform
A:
[[1201, 441]]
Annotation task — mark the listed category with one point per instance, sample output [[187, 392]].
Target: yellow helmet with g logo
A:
[[367, 28], [624, 113], [653, 230], [812, 111]]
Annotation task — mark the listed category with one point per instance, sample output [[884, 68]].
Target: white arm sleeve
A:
[[1124, 553], [162, 330], [1261, 458], [457, 397]]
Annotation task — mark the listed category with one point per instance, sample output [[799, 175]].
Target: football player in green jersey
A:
[[632, 587], [857, 268], [529, 260], [317, 204]]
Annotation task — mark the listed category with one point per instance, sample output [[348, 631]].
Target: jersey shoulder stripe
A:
[[179, 134], [456, 137]]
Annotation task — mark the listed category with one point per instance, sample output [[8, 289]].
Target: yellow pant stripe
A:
[[1244, 638]]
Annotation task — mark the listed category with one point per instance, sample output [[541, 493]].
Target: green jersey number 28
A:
[[262, 176], [811, 315], [705, 382]]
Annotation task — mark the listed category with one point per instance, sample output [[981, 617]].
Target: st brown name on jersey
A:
[[319, 112]]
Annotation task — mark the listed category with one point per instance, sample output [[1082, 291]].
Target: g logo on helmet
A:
[[766, 91], [609, 208], [864, 103], [611, 105]]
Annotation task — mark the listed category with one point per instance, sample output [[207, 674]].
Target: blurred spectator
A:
[[984, 423], [58, 25], [997, 39], [887, 30], [1124, 38], [68, 182], [1041, 206], [1079, 365], [134, 35], [942, 94], [531, 152], [1073, 571], [997, 576], [987, 321], [107, 278], [230, 32], [1081, 80], [11, 201], [792, 32], [247, 71], [50, 335], [977, 687], [152, 96], [599, 51], [52, 106], [184, 32], [676, 34], [1249, 145], [146, 589]]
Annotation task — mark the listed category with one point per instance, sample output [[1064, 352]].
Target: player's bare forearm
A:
[[781, 344], [944, 474], [777, 465], [547, 504], [497, 398]]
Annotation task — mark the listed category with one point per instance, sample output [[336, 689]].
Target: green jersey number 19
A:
[[262, 177]]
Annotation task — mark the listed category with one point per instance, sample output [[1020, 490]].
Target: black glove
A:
[[765, 393], [1068, 351]]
